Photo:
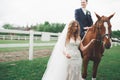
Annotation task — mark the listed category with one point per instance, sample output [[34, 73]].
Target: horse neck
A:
[[91, 34]]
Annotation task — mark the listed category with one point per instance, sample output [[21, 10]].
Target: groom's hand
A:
[[86, 28]]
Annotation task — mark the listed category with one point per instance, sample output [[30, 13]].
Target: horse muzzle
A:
[[107, 46], [107, 40]]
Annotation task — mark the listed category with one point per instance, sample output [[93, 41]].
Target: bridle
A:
[[109, 35]]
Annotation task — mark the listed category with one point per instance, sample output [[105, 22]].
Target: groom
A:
[[83, 16]]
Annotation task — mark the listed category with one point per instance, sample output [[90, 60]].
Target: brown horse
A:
[[101, 32]]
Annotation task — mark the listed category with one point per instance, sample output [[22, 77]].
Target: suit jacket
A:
[[84, 20]]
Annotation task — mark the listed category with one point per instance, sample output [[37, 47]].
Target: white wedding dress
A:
[[61, 68], [75, 62]]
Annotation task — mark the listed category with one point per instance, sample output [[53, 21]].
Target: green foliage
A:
[[7, 26], [43, 27], [116, 34], [47, 27]]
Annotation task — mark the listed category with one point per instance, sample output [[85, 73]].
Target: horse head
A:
[[103, 28]]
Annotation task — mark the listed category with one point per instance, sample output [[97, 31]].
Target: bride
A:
[[65, 62]]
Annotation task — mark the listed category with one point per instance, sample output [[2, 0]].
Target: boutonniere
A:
[[88, 13]]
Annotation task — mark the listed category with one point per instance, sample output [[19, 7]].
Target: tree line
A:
[[116, 34], [49, 27], [43, 27]]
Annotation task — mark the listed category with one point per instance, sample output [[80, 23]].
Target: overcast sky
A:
[[30, 12]]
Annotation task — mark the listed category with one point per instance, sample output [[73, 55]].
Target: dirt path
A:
[[22, 55]]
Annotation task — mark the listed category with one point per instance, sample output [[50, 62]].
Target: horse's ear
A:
[[111, 16], [97, 16]]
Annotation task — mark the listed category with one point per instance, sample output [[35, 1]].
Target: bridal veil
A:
[[57, 64]]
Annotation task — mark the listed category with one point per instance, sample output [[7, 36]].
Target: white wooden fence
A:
[[116, 42], [45, 36]]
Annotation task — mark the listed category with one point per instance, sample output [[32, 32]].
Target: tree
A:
[[7, 26], [46, 23], [116, 34]]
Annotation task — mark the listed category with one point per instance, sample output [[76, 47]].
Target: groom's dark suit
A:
[[83, 19]]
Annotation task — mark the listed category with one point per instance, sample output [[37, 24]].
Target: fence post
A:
[[31, 45]]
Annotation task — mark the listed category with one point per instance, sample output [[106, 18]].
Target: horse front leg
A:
[[95, 67], [85, 64]]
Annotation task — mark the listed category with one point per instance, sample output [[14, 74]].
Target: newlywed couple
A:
[[65, 62]]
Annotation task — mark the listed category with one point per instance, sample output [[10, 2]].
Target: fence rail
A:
[[44, 36], [115, 42]]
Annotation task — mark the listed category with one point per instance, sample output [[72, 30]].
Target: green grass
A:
[[33, 70], [14, 49], [109, 66], [23, 70]]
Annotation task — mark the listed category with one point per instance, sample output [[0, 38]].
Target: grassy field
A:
[[14, 49], [33, 70]]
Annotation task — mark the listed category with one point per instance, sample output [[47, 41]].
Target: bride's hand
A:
[[68, 56], [93, 41]]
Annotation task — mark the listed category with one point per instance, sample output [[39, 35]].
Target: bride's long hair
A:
[[71, 30]]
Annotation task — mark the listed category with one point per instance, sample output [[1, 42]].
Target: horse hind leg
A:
[[95, 67]]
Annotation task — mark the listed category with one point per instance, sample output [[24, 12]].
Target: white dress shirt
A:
[[84, 10]]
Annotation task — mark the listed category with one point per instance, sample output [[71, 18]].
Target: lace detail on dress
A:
[[72, 49], [75, 62]]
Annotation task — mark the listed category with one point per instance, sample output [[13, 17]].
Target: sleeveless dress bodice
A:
[[72, 49]]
